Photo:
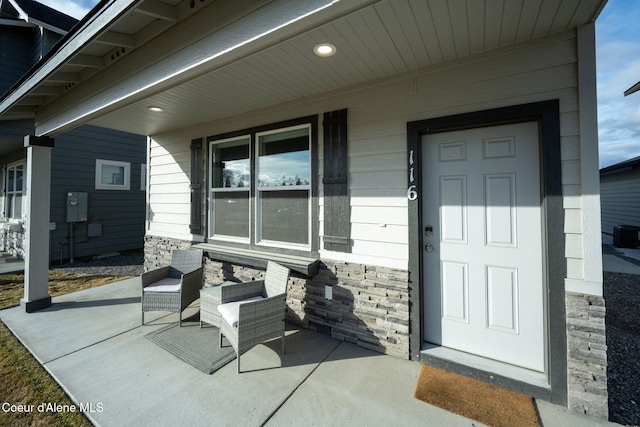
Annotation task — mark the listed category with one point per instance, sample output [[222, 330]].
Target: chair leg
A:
[[238, 362], [283, 341], [143, 318], [220, 339]]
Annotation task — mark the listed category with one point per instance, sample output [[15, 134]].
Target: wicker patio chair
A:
[[173, 287], [254, 312]]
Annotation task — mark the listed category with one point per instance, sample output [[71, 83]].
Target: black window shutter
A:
[[195, 225], [337, 216]]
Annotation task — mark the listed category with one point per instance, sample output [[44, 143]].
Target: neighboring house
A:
[[115, 213], [620, 195], [429, 171]]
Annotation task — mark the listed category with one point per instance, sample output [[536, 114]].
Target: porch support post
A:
[[589, 176], [36, 278]]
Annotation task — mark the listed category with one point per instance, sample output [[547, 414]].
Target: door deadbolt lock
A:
[[428, 247], [428, 231]]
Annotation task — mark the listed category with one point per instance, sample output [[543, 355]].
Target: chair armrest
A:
[[192, 279], [241, 291], [153, 276], [262, 312], [191, 285]]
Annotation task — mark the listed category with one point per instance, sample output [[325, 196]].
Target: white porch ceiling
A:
[[385, 38]]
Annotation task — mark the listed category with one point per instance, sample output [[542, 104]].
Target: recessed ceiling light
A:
[[155, 109], [324, 50]]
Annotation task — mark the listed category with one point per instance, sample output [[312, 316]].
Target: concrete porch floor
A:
[[92, 343], [10, 263]]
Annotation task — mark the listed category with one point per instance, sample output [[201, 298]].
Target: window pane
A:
[[231, 164], [19, 176], [112, 175], [284, 159], [17, 206], [12, 179], [10, 212], [231, 213], [285, 216]]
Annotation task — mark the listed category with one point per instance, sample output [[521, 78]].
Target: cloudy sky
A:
[[618, 62], [75, 8]]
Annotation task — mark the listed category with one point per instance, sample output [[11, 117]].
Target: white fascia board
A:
[[92, 28], [44, 25], [269, 25]]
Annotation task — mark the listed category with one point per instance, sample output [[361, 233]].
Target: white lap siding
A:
[[169, 192]]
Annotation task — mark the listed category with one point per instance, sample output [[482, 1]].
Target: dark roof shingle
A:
[[624, 165]]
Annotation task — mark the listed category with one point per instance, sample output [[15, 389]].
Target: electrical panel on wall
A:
[[77, 206]]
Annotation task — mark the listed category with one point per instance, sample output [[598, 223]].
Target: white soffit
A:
[[374, 40]]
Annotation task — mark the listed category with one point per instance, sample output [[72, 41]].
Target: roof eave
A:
[[93, 24], [623, 166], [632, 89]]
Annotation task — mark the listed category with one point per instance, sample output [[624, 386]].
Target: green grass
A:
[[23, 380]]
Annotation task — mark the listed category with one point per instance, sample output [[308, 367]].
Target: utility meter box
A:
[[76, 206]]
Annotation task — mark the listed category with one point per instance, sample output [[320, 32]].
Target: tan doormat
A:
[[475, 399]]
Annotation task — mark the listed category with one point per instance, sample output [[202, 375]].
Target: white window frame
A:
[[259, 190], [10, 194], [127, 175]]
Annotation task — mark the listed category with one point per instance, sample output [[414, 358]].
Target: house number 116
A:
[[412, 194]]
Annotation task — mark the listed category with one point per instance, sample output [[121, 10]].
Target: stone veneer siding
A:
[[13, 243], [157, 251], [587, 355], [369, 307]]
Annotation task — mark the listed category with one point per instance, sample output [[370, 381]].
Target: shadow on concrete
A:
[[65, 305]]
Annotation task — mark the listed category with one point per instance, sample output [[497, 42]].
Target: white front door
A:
[[483, 269]]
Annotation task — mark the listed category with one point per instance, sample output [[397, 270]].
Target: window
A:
[[230, 188], [261, 187], [284, 182], [15, 191], [112, 175]]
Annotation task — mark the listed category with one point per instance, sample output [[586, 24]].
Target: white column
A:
[[36, 263], [591, 282]]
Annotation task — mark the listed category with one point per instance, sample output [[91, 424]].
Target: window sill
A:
[[11, 225], [256, 258]]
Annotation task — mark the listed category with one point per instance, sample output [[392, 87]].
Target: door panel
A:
[[483, 272], [453, 199], [502, 298], [455, 291], [500, 209]]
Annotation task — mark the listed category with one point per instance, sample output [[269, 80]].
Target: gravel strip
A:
[[126, 264], [622, 296]]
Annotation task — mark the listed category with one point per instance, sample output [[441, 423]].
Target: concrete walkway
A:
[[615, 264], [94, 346], [10, 263]]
